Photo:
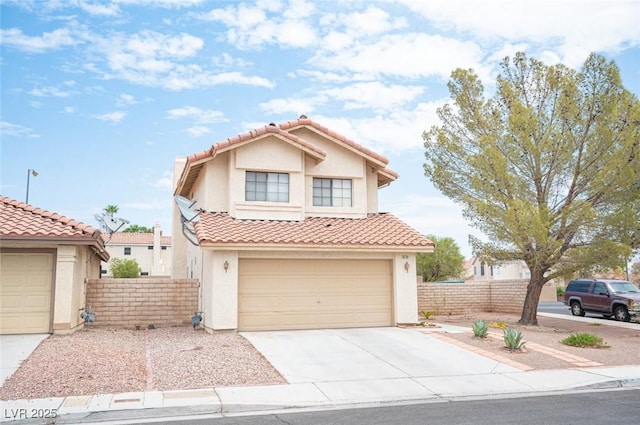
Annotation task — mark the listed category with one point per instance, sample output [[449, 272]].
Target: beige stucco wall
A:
[[74, 265]]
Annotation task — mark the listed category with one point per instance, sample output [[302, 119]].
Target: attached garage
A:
[[308, 294], [45, 259], [26, 292]]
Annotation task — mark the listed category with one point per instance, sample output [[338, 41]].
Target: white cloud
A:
[[49, 91], [254, 26], [53, 40], [168, 4], [574, 27], [372, 21], [164, 182], [225, 60], [289, 105], [393, 133], [295, 34], [374, 95], [201, 116], [113, 117], [17, 130], [100, 9], [198, 131], [128, 99], [153, 59], [410, 55]]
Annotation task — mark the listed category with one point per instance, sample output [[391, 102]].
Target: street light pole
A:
[[30, 172]]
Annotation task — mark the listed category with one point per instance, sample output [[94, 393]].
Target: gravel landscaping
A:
[[105, 361]]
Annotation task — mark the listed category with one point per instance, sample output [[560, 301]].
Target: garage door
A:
[[308, 294], [25, 292]]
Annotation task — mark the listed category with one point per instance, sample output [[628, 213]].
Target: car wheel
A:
[[576, 309], [621, 314]]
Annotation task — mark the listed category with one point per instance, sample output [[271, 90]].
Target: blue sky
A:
[[99, 97]]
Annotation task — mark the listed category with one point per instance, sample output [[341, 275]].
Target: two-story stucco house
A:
[[289, 235], [152, 251]]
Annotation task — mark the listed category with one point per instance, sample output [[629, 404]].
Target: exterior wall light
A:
[[406, 266], [226, 266]]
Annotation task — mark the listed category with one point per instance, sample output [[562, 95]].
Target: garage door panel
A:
[[25, 292], [304, 294]]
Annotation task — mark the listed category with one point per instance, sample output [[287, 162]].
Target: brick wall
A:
[[140, 302], [500, 296]]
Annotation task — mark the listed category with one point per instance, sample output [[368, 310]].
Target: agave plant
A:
[[480, 329], [513, 339]]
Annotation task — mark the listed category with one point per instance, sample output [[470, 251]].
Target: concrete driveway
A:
[[14, 349], [367, 354]]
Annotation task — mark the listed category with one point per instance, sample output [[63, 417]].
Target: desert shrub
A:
[[498, 324], [584, 340], [513, 339], [124, 268], [480, 329], [427, 314]]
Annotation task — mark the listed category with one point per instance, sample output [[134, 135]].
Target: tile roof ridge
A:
[[253, 133], [85, 228], [305, 121]]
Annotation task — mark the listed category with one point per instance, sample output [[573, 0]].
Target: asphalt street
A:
[[613, 407]]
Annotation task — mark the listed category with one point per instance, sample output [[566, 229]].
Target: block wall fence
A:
[[141, 302], [127, 303], [504, 296]]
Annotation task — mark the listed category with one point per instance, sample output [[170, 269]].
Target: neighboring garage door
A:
[[25, 292], [308, 294]]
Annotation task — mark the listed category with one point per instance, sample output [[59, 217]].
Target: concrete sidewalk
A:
[[315, 395], [374, 374]]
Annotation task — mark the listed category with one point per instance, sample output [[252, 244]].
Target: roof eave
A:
[[316, 247], [71, 240]]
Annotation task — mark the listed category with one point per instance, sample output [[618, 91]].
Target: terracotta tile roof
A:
[[195, 162], [377, 231], [25, 223], [127, 238]]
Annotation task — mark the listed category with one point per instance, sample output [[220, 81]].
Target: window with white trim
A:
[[269, 187], [332, 192]]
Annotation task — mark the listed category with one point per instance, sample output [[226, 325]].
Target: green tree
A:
[[134, 228], [545, 168], [445, 262], [124, 268]]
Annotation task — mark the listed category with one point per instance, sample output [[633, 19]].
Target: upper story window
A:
[[331, 192], [270, 187], [127, 250]]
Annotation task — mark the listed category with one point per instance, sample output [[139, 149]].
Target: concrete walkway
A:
[[348, 367]]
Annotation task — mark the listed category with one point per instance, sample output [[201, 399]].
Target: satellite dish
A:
[[186, 209], [188, 216], [114, 224]]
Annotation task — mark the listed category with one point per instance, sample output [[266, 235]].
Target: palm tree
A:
[[110, 210]]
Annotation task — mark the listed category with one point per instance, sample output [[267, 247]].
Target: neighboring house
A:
[[152, 251], [290, 237], [507, 270], [45, 259]]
